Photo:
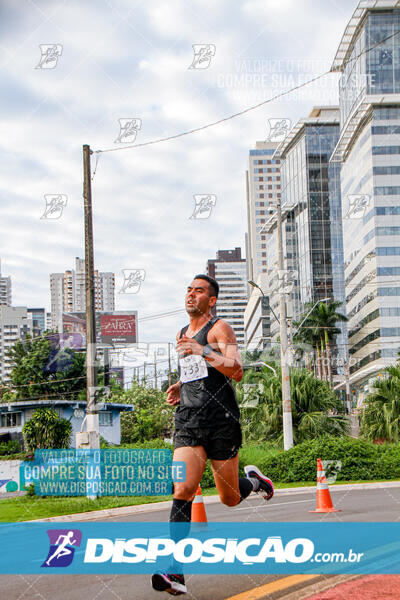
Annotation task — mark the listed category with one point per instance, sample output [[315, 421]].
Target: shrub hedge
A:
[[361, 460]]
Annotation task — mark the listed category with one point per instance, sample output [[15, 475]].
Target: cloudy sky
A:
[[126, 59]]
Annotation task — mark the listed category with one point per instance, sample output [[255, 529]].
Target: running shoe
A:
[[166, 582], [266, 489]]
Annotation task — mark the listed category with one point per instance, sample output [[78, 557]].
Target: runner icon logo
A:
[[61, 551]]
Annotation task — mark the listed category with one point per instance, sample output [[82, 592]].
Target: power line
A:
[[47, 396], [214, 123], [47, 382], [248, 109]]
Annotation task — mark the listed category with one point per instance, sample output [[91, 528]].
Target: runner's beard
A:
[[193, 309]]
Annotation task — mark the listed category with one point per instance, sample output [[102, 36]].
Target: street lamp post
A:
[[286, 395], [286, 398], [254, 284], [261, 362], [308, 314]]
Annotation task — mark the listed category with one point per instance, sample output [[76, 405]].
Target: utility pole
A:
[[347, 377], [286, 397], [169, 366], [106, 367], [92, 414], [155, 369]]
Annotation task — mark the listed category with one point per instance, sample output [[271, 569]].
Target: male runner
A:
[[207, 418]]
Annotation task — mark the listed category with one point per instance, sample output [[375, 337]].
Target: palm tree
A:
[[316, 410], [380, 418], [322, 322], [308, 335]]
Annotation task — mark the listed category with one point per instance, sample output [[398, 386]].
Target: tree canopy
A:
[[316, 410], [42, 370], [380, 417]]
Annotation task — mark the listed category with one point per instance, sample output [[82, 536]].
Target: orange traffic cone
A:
[[324, 500], [198, 508]]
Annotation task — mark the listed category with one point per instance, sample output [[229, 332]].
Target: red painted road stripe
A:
[[369, 587]]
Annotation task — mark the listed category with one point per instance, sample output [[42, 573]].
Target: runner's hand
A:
[[187, 345], [173, 394]]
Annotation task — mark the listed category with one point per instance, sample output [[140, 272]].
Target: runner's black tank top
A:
[[208, 401]]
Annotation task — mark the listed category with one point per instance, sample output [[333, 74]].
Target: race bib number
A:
[[192, 367]]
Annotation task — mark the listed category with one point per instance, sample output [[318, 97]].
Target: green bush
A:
[[156, 444], [10, 447], [361, 460], [104, 443], [47, 430], [152, 416], [30, 490]]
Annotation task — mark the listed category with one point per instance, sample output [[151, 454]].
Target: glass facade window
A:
[[360, 266], [386, 112], [368, 298], [312, 232], [388, 251], [383, 61], [367, 319], [391, 311], [381, 210], [381, 231], [385, 129], [387, 190], [364, 281], [389, 291], [384, 353], [376, 150], [389, 170], [263, 152], [387, 271]]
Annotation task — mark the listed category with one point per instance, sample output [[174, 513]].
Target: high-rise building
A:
[[263, 184], [368, 58], [311, 222], [5, 290], [38, 317], [229, 269], [68, 292], [257, 316], [14, 325]]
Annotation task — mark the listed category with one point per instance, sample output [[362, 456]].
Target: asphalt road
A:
[[356, 505]]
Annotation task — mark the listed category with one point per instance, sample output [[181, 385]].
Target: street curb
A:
[[143, 508]]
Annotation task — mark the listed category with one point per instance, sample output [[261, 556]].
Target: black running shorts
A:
[[220, 442]]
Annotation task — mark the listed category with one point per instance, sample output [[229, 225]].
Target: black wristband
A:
[[206, 350]]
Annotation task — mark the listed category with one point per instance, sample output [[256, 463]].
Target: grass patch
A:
[[23, 508]]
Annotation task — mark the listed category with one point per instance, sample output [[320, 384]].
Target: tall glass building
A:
[[311, 228], [369, 151], [263, 184]]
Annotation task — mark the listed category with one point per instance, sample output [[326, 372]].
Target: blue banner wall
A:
[[284, 548]]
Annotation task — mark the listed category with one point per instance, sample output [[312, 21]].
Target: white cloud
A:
[[131, 59]]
